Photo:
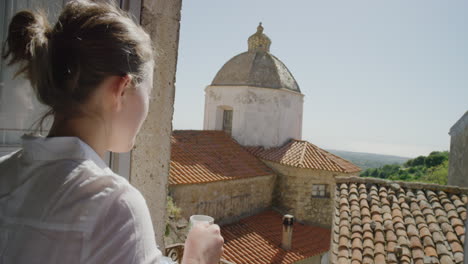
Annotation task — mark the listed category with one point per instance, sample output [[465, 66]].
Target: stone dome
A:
[[257, 67]]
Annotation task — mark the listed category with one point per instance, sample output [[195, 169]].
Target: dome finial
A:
[[260, 28], [259, 41]]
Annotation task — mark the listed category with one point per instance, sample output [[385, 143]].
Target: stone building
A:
[[458, 160], [255, 98], [249, 163], [211, 174], [306, 179]]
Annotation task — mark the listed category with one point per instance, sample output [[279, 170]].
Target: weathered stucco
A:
[[151, 155], [261, 116], [226, 201], [458, 160], [293, 193], [258, 69]]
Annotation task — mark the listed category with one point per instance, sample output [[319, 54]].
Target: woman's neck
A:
[[89, 130]]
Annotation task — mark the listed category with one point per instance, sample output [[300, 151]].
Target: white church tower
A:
[[255, 98]]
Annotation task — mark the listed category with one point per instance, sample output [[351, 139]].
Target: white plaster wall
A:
[[261, 116]]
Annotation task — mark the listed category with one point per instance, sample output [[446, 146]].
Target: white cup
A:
[[194, 219]]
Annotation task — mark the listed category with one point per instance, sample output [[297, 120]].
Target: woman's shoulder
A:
[[90, 191], [93, 174], [105, 185], [100, 184], [123, 221], [68, 191]]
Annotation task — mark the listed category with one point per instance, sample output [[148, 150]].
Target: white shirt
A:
[[60, 203]]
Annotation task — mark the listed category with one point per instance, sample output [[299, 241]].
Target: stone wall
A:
[[458, 160], [226, 201], [293, 193], [151, 155]]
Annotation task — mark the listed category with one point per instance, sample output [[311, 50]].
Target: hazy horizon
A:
[[378, 77]]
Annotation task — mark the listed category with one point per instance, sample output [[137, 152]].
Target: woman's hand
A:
[[204, 245]]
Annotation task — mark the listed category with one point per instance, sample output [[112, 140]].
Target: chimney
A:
[[286, 242]]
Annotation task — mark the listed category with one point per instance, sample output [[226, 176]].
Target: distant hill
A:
[[369, 160]]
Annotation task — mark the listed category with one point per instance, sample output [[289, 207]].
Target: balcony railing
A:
[[176, 253]]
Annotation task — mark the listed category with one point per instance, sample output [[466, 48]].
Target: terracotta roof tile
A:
[[201, 156], [257, 239], [400, 222], [302, 154]]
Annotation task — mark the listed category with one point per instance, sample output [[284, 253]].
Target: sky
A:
[[388, 77]]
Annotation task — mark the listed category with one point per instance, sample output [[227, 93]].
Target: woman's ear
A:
[[120, 87]]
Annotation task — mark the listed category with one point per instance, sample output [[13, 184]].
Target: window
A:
[[319, 190], [19, 108], [227, 121]]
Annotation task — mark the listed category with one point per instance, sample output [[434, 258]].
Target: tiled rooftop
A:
[[201, 156], [256, 240], [302, 154], [379, 221]]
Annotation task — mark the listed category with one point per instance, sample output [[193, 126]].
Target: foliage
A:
[[173, 212], [437, 174], [431, 169]]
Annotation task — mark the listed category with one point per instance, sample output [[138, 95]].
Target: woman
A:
[[59, 202]]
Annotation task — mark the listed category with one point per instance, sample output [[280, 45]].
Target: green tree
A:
[[433, 168], [391, 169], [418, 161], [404, 175], [437, 174], [435, 159], [408, 163]]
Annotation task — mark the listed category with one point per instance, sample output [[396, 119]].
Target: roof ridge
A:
[[301, 159], [326, 155], [251, 65], [411, 185], [277, 75], [304, 155], [275, 59]]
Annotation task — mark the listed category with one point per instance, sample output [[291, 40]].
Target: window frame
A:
[[227, 129], [320, 191]]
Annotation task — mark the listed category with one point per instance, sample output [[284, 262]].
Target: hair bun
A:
[[91, 41], [27, 34]]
